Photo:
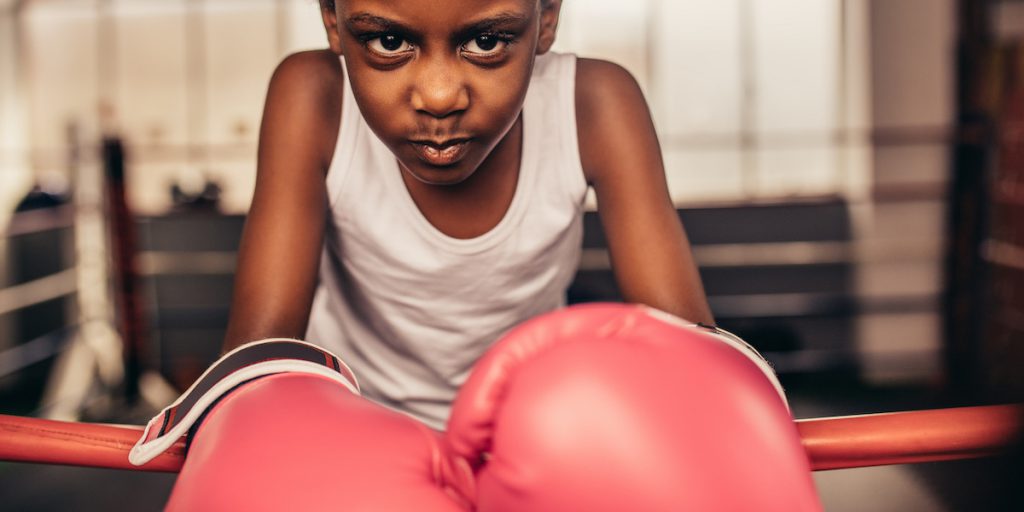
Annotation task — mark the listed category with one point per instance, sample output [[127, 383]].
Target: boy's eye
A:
[[486, 44], [389, 44]]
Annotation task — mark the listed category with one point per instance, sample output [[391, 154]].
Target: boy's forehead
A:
[[436, 3], [438, 9]]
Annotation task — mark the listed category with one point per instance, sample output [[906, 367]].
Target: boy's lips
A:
[[441, 153]]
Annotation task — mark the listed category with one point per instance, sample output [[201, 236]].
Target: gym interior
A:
[[844, 169]]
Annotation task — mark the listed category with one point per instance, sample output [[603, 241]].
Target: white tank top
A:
[[411, 309]]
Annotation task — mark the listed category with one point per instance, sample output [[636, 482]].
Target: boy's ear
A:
[[330, 16], [548, 24]]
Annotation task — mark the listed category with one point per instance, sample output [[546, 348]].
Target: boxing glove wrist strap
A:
[[247, 362]]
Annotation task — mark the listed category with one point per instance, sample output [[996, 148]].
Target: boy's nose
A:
[[440, 90]]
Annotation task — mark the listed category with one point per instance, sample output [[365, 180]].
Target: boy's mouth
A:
[[443, 153]]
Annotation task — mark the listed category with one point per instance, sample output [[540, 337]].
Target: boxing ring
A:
[[87, 226], [699, 406]]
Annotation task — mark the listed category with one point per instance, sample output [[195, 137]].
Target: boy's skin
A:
[[442, 84]]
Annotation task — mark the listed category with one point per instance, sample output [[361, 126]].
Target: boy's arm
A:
[[280, 250], [621, 159]]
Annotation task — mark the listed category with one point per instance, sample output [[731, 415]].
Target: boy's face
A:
[[441, 82]]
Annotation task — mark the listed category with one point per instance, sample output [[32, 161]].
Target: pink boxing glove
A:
[[610, 407], [305, 440]]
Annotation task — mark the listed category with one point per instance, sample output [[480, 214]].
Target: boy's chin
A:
[[439, 176]]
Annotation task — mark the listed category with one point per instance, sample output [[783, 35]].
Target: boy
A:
[[420, 189]]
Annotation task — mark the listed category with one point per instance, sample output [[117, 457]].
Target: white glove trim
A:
[[729, 339]]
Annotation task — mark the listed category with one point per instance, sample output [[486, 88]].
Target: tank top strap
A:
[[346, 147], [553, 97]]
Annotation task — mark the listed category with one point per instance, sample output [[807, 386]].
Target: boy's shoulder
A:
[[611, 113], [312, 70], [600, 81], [305, 96], [589, 67]]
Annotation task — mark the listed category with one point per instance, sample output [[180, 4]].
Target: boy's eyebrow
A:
[[502, 19], [364, 17]]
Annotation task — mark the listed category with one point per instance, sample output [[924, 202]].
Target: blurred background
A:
[[850, 173]]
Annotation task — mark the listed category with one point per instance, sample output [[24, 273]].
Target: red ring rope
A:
[[831, 443], [78, 444]]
